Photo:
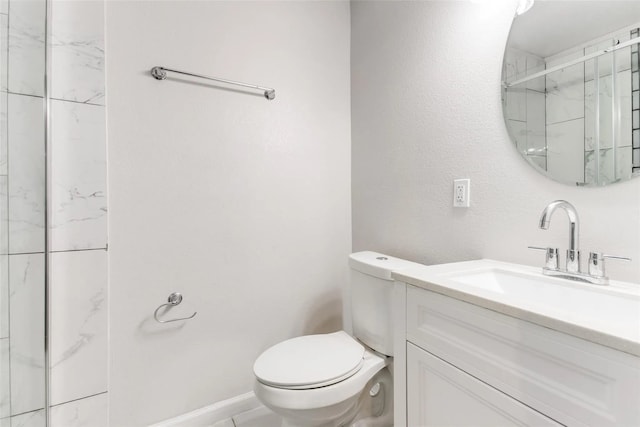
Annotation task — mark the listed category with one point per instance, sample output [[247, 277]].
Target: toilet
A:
[[335, 380]]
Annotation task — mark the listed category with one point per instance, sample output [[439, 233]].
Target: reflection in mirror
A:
[[571, 86]]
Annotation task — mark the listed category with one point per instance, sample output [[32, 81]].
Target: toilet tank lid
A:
[[378, 265]]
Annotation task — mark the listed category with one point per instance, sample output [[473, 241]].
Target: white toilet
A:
[[335, 380]]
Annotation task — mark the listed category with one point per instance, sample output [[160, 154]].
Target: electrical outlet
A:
[[461, 193]]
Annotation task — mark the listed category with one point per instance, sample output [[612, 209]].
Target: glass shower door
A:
[[23, 381]]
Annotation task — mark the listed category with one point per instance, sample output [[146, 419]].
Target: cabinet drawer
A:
[[441, 395], [573, 381]]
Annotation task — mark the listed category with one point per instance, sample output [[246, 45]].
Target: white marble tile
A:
[[26, 175], [4, 214], [4, 51], [606, 118], [78, 336], [605, 175], [519, 64], [79, 176], [514, 64], [4, 260], [536, 126], [624, 163], [4, 297], [624, 94], [516, 103], [565, 151], [4, 6], [77, 56], [88, 412], [535, 65], [26, 47], [539, 161], [590, 172], [518, 132], [565, 94], [30, 419], [26, 281], [589, 115], [4, 135], [5, 384], [622, 58]]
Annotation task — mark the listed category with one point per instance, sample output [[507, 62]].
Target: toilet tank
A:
[[372, 298]]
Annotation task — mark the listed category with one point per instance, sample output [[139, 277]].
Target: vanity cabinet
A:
[[467, 365], [439, 394]]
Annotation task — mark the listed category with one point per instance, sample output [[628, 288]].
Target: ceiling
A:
[[554, 26]]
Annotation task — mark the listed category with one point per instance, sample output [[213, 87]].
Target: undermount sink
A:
[[601, 313]]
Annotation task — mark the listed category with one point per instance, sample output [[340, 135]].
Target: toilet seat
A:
[[321, 397], [310, 361]]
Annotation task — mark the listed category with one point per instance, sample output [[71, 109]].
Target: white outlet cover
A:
[[461, 193]]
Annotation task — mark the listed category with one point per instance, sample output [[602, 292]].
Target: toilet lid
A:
[[310, 361]]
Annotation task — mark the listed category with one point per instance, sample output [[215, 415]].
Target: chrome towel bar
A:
[[160, 73], [174, 299]]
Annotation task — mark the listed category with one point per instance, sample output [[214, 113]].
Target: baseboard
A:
[[209, 415]]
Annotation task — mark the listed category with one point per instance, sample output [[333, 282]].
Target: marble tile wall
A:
[[77, 221], [5, 368], [77, 56], [22, 209], [26, 47], [91, 411], [26, 174], [572, 95], [79, 348], [565, 120], [79, 175], [26, 278], [635, 102], [526, 105]]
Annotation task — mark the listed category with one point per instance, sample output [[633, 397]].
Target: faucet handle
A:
[[596, 263], [551, 259]]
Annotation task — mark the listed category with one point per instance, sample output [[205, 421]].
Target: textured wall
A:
[[426, 110], [241, 204]]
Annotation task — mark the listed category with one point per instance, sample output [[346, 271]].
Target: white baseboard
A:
[[209, 415]]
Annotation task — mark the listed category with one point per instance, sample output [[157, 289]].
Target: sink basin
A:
[[605, 313]]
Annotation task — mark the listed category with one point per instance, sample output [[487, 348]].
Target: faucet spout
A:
[[574, 223]]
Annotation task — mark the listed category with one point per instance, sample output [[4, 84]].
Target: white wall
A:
[[241, 204], [426, 110]]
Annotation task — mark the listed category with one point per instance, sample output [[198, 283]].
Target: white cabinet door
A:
[[573, 381], [439, 394]]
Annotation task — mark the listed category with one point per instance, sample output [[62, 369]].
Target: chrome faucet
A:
[[596, 273], [573, 253]]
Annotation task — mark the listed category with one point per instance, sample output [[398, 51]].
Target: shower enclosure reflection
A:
[[572, 111], [22, 213]]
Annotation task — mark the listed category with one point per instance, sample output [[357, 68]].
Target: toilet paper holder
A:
[[175, 298]]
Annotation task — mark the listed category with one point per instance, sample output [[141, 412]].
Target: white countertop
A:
[[606, 315]]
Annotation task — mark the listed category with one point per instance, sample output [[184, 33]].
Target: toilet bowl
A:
[[318, 380], [336, 380]]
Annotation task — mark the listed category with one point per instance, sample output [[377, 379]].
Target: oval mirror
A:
[[571, 89]]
